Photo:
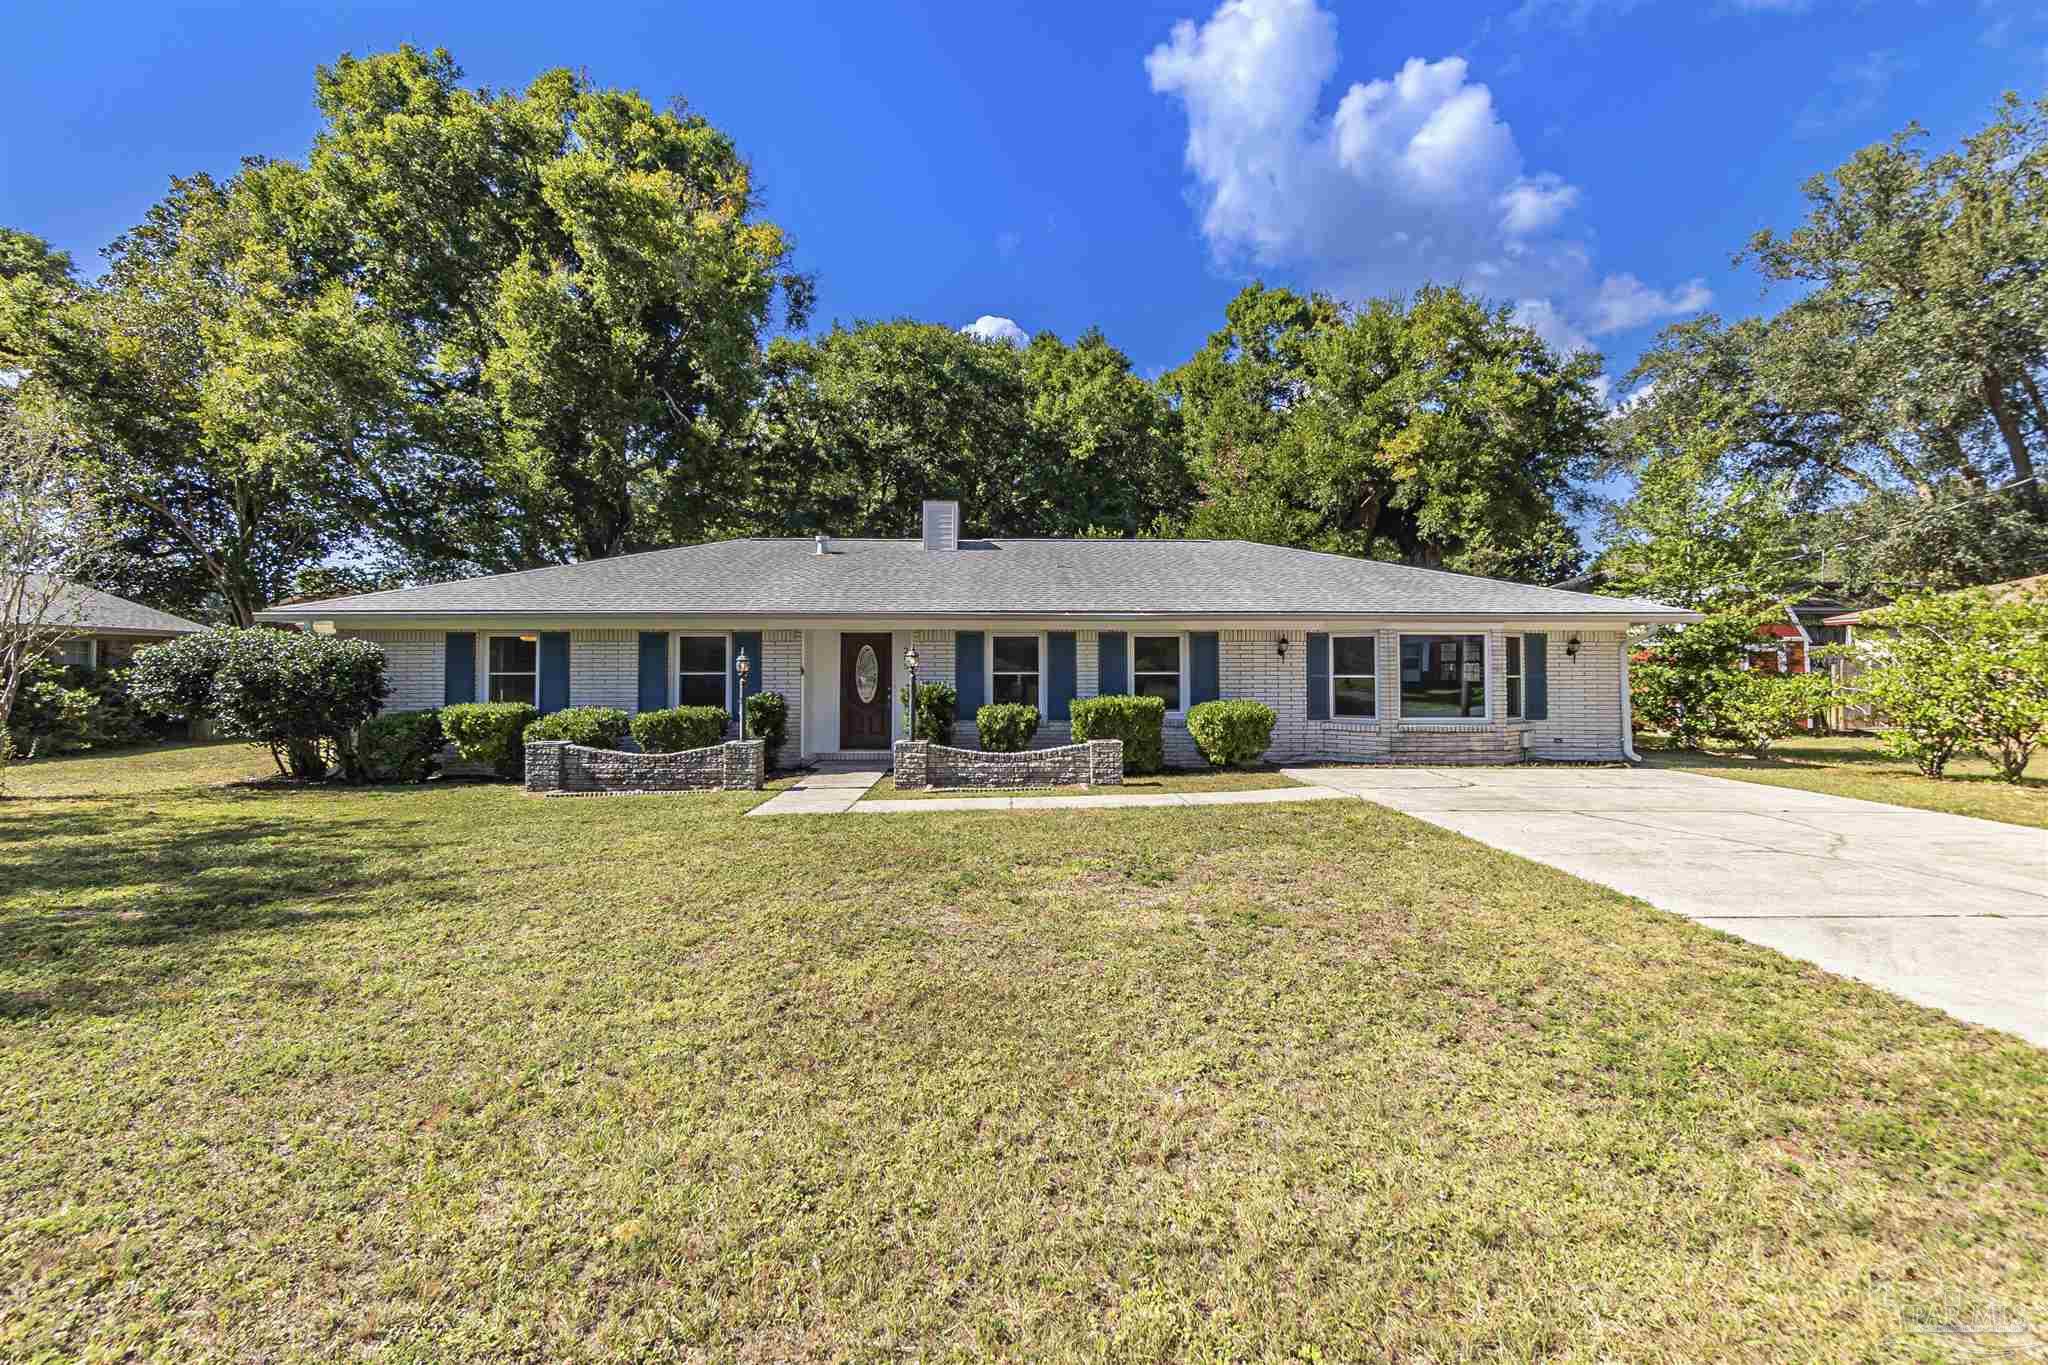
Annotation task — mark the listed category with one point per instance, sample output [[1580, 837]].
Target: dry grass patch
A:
[[453, 1073]]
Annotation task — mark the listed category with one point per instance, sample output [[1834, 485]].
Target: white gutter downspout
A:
[[1628, 710]]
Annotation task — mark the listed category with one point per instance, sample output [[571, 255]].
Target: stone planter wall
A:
[[555, 768], [1097, 763]]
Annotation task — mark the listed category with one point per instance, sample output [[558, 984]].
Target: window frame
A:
[[490, 673], [1373, 718], [1516, 701], [988, 664], [1180, 639], [1486, 716], [92, 653], [675, 664]]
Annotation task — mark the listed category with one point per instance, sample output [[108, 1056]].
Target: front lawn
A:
[[455, 1073], [1173, 780], [1855, 765]]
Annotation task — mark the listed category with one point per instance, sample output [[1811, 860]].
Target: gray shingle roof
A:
[[900, 578], [91, 609]]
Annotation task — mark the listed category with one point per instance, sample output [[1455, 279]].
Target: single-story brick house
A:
[[109, 629], [1360, 659]]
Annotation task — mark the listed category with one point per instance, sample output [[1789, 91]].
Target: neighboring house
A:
[[1360, 659], [1847, 717], [110, 629]]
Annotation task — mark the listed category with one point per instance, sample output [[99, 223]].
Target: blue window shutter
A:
[[554, 670], [458, 683], [1064, 677], [1112, 676], [1205, 667], [1535, 677], [968, 672], [1318, 675], [750, 641], [653, 670]]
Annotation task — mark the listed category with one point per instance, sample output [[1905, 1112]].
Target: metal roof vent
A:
[[821, 545], [941, 525]]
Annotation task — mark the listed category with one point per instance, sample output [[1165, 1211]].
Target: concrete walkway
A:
[[1942, 909], [839, 793], [828, 791]]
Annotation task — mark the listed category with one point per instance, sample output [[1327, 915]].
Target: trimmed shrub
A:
[[594, 727], [404, 746], [768, 721], [492, 732], [303, 695], [1140, 722], [1005, 727], [1232, 734], [679, 728], [938, 706]]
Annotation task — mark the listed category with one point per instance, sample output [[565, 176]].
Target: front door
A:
[[863, 691]]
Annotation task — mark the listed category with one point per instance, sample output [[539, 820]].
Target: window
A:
[[75, 653], [1013, 671], [1443, 677], [514, 673], [1354, 691], [1514, 677], [700, 671], [1155, 668]]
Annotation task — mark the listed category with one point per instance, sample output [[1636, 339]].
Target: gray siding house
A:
[[1361, 660]]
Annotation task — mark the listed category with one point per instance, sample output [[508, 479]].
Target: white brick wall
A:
[[1585, 698], [604, 668], [415, 664], [782, 670]]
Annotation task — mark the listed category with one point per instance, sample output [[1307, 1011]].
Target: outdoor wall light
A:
[[742, 668], [1281, 648], [1571, 648]]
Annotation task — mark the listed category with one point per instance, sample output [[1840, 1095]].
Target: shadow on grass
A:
[[104, 905]]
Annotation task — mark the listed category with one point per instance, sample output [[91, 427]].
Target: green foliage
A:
[[1005, 727], [1232, 734], [860, 424], [403, 746], [679, 728], [768, 720], [491, 732], [1682, 682], [50, 713], [1902, 381], [302, 695], [1435, 430], [1758, 709], [594, 727], [1955, 671], [1140, 722], [938, 706]]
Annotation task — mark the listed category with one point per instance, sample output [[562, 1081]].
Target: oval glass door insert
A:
[[867, 674]]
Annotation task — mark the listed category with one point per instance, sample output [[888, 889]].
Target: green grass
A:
[[454, 1073], [1856, 766], [139, 772], [1175, 780]]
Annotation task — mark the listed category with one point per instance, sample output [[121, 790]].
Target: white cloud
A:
[[1623, 301], [988, 327], [1854, 92], [1411, 178], [1541, 316]]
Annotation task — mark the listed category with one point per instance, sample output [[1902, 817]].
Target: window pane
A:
[[700, 689], [1157, 654], [510, 654], [1514, 655], [1017, 687], [1166, 685], [1515, 698], [1354, 696], [703, 654], [1443, 676], [75, 654], [512, 687], [1351, 654], [1016, 653]]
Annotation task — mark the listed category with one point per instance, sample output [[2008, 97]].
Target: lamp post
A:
[[910, 666], [741, 667]]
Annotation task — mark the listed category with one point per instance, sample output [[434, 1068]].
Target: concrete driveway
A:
[[1941, 909]]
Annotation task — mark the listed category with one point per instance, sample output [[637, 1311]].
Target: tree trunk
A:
[[2015, 439]]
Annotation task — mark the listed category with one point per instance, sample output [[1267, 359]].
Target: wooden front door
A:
[[864, 691]]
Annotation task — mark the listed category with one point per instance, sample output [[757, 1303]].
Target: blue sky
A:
[[1121, 164]]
